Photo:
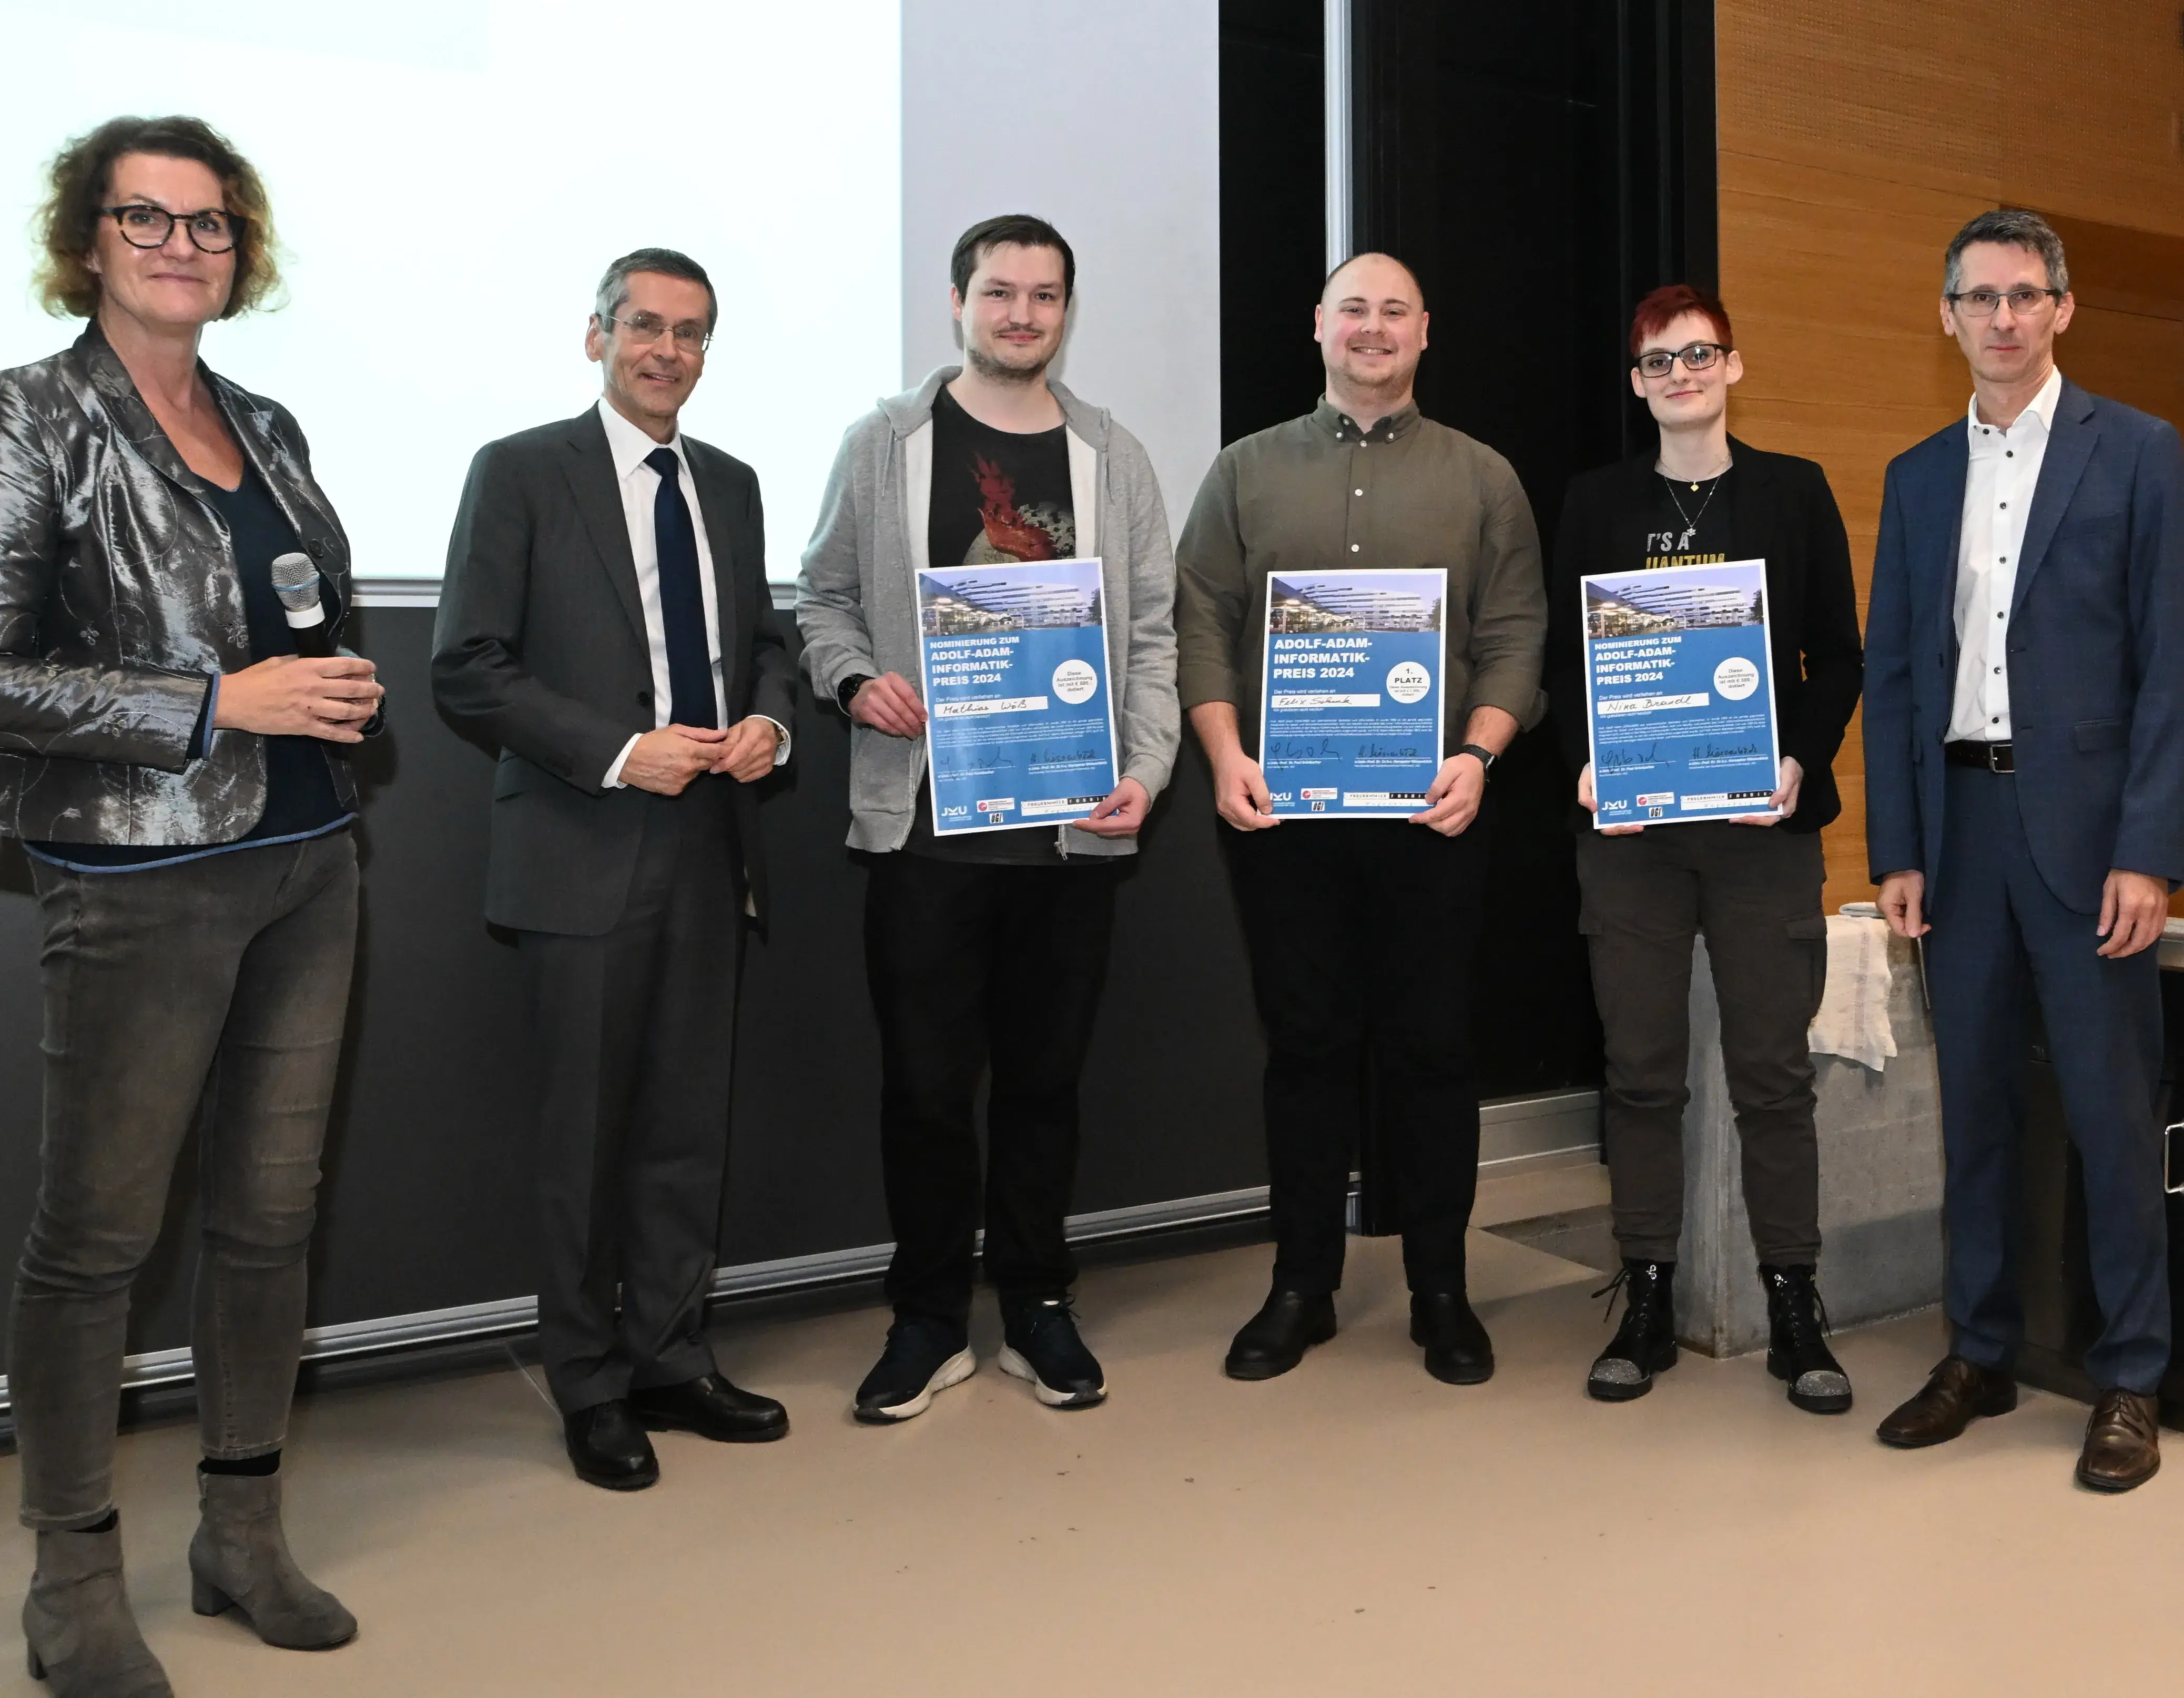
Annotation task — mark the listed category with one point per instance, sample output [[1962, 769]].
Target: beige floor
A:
[[1351, 1528]]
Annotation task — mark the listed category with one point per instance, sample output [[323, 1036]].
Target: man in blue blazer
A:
[[2024, 815]]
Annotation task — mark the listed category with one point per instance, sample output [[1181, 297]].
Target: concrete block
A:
[[1880, 1180]]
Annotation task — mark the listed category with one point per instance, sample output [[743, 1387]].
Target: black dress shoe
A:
[[609, 1448], [711, 1407], [1458, 1350], [1274, 1340]]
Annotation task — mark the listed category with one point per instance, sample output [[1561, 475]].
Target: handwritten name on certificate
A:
[[1350, 724], [1679, 694], [1020, 720]]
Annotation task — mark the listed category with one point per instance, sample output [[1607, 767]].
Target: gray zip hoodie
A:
[[857, 608]]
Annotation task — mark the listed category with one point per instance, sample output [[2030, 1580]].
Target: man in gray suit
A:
[[606, 625]]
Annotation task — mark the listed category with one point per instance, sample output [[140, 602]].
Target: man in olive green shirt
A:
[[1362, 932]]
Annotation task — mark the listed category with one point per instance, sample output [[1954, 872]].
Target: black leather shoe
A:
[[609, 1448], [1274, 1340], [1458, 1352], [711, 1407]]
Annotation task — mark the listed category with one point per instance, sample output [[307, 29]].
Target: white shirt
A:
[[2004, 470], [640, 485]]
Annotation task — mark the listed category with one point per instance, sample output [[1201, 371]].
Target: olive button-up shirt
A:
[[1324, 493]]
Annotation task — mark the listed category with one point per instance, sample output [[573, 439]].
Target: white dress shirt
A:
[[640, 485], [2004, 470]]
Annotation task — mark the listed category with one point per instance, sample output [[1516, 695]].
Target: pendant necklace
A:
[[1691, 519]]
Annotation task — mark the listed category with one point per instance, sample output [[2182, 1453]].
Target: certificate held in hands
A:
[[1020, 722], [1680, 695], [1349, 724]]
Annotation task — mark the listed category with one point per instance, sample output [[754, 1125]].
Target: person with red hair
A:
[[1752, 886]]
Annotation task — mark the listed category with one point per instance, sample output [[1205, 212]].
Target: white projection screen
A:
[[449, 177]]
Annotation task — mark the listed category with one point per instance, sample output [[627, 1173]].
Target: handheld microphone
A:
[[296, 581]]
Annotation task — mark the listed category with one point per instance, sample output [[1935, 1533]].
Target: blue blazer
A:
[[2095, 652]]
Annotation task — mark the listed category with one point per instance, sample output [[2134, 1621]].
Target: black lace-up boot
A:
[[1797, 1351], [1644, 1344]]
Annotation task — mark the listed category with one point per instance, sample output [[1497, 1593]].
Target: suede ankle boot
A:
[[239, 1559], [82, 1638]]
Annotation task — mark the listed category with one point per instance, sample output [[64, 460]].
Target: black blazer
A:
[[539, 650], [1785, 515]]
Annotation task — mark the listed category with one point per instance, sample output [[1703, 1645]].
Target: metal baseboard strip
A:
[[513, 1315]]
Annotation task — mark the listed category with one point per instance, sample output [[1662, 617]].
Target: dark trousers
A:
[[1755, 892], [1362, 934], [214, 992], [2000, 936], [635, 1031], [976, 967]]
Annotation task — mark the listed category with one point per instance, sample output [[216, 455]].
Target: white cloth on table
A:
[[1854, 1017]]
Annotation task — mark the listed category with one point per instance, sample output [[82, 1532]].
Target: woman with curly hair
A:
[[171, 765]]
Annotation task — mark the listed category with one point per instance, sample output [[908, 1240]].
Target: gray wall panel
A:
[[428, 1203]]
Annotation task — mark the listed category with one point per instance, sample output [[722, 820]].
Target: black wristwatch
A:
[[1486, 756], [846, 692]]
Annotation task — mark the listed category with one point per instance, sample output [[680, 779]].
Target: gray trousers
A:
[[635, 1031], [220, 985], [1755, 892]]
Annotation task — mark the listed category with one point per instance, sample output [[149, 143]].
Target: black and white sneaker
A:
[[1040, 1344], [922, 1356], [1798, 1352]]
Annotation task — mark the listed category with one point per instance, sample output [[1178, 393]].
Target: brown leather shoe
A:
[[1954, 1392], [2123, 1443]]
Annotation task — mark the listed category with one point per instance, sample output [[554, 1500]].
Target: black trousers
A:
[[1362, 934], [634, 1031], [1755, 892], [972, 967]]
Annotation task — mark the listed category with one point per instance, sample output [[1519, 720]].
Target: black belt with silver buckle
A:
[[1995, 757]]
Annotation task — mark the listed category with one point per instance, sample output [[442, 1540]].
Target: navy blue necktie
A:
[[682, 600]]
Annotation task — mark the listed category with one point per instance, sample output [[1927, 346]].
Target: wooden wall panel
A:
[[1855, 140], [2112, 74]]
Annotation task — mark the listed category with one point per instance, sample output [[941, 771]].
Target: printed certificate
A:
[[1679, 694], [1020, 722], [1350, 725]]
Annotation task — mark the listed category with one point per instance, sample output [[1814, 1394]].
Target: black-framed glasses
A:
[[1980, 303], [646, 328], [211, 230], [1658, 362]]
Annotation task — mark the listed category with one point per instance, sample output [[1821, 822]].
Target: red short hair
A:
[[1669, 303]]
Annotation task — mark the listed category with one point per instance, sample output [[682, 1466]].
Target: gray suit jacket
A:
[[540, 651]]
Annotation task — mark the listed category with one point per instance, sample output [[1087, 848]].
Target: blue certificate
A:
[[1679, 694], [1020, 722], [1351, 720]]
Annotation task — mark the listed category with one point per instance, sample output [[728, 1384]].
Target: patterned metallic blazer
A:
[[119, 601]]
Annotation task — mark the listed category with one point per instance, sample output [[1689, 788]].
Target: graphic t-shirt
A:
[[999, 497], [1681, 525]]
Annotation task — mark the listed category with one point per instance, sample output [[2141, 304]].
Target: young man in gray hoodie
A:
[[986, 950]]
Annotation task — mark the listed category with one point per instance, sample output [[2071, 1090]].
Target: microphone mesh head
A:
[[296, 581]]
